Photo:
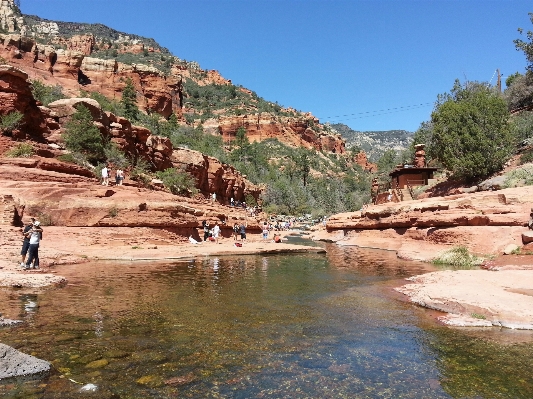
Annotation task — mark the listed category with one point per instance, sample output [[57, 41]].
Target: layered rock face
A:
[[9, 21], [483, 222], [211, 175], [45, 125], [291, 131], [74, 70], [15, 95], [362, 160]]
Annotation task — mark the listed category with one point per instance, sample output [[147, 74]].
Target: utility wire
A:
[[368, 114]]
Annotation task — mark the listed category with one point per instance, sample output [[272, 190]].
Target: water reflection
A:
[[293, 326]]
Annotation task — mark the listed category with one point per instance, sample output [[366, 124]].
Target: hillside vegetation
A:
[[375, 143]]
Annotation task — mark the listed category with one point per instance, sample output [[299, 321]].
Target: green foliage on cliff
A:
[[83, 137], [129, 101], [21, 150], [113, 106], [46, 94], [10, 122], [178, 182], [210, 100]]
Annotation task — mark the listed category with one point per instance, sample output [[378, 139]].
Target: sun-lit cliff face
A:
[[94, 58]]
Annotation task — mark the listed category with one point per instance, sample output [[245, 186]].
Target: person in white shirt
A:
[[216, 232], [35, 235], [105, 176]]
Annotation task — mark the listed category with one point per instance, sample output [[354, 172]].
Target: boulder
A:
[[17, 364], [527, 237], [496, 183], [509, 249], [68, 106]]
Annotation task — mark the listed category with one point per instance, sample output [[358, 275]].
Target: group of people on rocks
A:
[[32, 234], [211, 234], [106, 174]]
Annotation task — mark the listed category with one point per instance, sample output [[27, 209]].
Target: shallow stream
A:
[[287, 326]]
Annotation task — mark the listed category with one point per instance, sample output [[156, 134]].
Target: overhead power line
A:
[[368, 114]]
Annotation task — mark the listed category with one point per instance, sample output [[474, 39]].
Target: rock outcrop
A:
[[484, 222], [45, 125], [16, 96], [73, 69], [9, 19], [17, 364], [362, 160], [293, 131]]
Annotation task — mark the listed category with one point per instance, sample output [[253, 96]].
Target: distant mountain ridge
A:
[[374, 143]]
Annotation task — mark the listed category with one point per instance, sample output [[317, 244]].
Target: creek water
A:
[[284, 326]]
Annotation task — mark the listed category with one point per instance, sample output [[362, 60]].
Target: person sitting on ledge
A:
[[277, 238], [193, 241]]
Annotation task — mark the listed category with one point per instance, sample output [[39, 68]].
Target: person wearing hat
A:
[[25, 241], [35, 234]]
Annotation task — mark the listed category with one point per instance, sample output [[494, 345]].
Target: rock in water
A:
[[16, 364]]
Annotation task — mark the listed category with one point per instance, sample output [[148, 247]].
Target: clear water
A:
[[293, 326]]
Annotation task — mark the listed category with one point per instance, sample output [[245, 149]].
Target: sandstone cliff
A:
[[88, 57], [44, 126], [486, 223]]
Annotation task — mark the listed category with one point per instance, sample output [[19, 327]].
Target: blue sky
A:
[[344, 61]]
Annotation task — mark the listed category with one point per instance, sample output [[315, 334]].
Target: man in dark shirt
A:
[[26, 241]]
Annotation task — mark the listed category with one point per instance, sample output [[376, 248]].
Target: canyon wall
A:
[[44, 127]]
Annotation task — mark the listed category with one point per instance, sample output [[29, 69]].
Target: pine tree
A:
[[129, 101], [83, 137]]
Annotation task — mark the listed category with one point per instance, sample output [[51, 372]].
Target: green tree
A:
[[82, 136], [526, 46], [511, 78], [129, 101], [303, 165], [178, 182], [242, 146], [471, 134], [10, 122], [387, 161], [46, 94]]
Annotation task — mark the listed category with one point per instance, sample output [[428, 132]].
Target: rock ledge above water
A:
[[16, 364]]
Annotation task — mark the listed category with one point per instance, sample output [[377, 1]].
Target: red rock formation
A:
[[288, 130], [484, 222], [211, 175], [81, 43], [15, 95], [74, 70], [361, 160], [420, 156]]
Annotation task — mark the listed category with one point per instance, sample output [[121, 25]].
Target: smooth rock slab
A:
[[14, 363]]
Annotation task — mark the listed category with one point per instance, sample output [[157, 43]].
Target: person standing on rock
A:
[[265, 231], [25, 242], [205, 226], [105, 176], [35, 235], [119, 176], [213, 198], [235, 231], [216, 232], [242, 230]]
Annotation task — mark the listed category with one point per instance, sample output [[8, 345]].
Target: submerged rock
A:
[[16, 364]]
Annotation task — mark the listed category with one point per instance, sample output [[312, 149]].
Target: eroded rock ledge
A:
[[484, 222]]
